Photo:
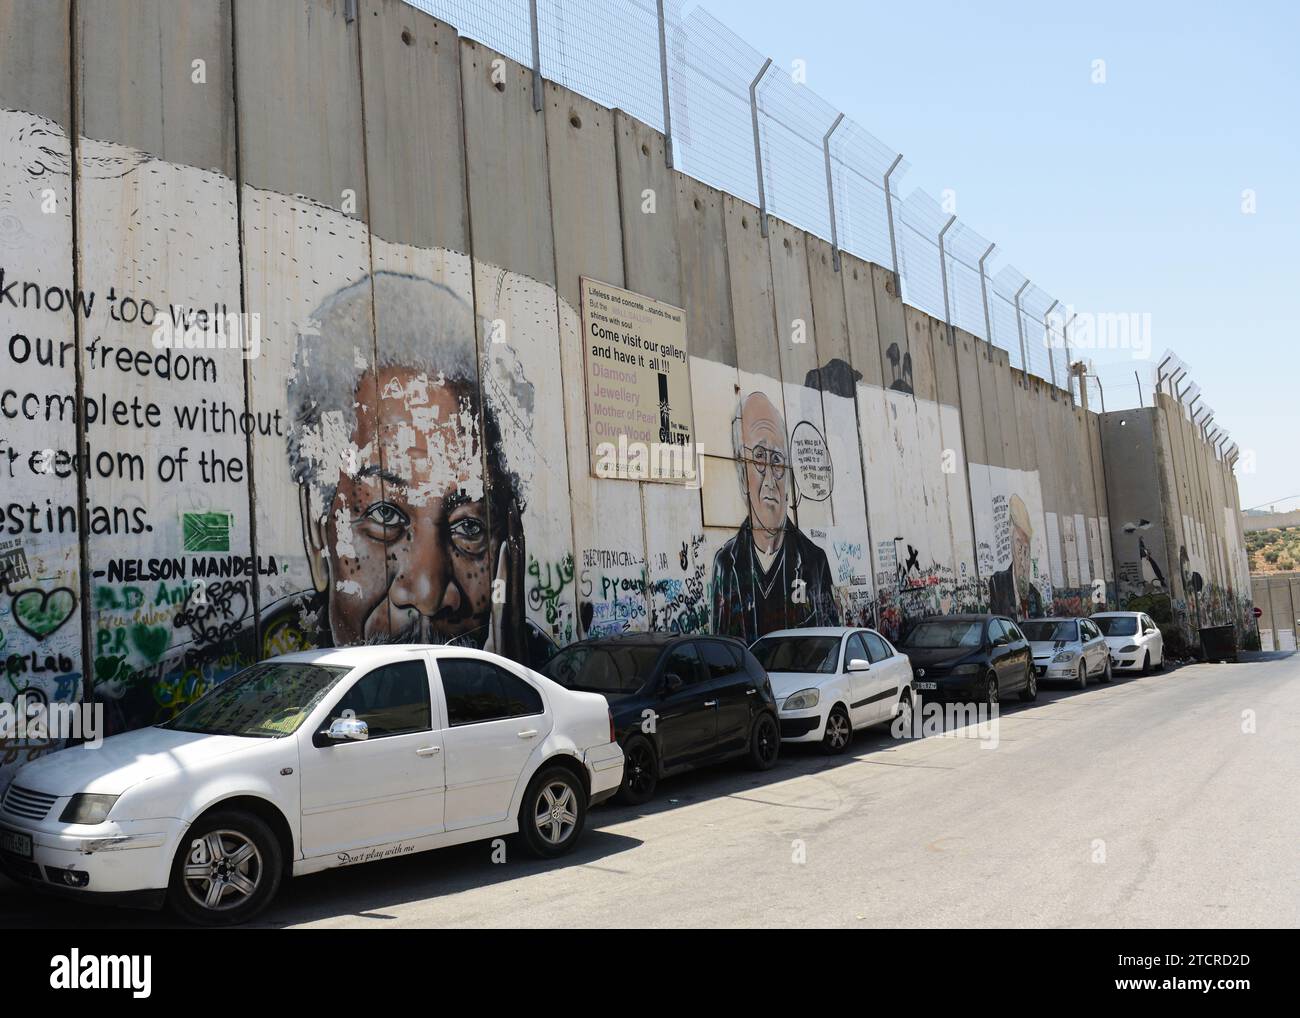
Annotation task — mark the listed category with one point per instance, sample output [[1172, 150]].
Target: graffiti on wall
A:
[[770, 575]]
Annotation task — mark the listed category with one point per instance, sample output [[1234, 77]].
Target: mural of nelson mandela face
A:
[[405, 541]]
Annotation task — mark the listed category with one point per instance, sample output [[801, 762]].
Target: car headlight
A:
[[1129, 649], [970, 669], [802, 700], [88, 808], [1065, 655]]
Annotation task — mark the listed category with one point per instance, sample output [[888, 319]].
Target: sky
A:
[[1120, 196]]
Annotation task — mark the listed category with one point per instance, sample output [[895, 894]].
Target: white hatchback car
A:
[[1068, 648], [1134, 640], [828, 682], [309, 761]]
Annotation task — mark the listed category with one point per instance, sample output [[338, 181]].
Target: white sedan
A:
[[1135, 641], [309, 761], [828, 682]]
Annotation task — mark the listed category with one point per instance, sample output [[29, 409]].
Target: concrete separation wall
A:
[[398, 448]]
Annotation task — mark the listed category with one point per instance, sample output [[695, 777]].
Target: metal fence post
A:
[[984, 296], [943, 274], [1069, 365], [1020, 330], [889, 214], [758, 145], [1065, 338], [663, 84], [1051, 346], [537, 56], [830, 192]]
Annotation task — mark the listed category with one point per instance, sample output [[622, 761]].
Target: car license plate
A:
[[926, 685], [16, 843]]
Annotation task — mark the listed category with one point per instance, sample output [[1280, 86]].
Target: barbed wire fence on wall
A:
[[741, 124]]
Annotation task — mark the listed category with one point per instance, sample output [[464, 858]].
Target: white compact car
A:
[[1134, 640], [828, 682], [1067, 648], [309, 761]]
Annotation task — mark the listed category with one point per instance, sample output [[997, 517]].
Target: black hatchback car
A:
[[677, 702], [970, 658]]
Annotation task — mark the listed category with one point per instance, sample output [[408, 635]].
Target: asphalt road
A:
[[1139, 804]]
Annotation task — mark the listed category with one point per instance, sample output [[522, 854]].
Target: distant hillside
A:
[[1274, 551]]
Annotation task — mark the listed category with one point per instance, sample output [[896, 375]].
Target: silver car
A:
[[1071, 649]]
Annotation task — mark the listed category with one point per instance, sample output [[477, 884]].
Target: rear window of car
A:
[[619, 669], [1117, 625], [819, 654], [1044, 632], [944, 635]]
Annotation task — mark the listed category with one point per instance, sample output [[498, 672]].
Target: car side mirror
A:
[[673, 682], [859, 664], [342, 730]]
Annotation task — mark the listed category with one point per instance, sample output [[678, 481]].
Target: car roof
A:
[[1115, 615], [818, 631], [378, 654], [963, 617], [658, 639], [1055, 618]]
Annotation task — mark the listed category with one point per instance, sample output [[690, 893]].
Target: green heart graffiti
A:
[[150, 641], [41, 612]]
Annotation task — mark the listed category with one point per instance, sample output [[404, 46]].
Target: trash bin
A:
[[1219, 643]]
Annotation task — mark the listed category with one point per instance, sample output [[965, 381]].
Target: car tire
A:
[[227, 869], [839, 731], [764, 742], [553, 812], [1146, 664], [1160, 665], [640, 772], [1081, 680], [1108, 674], [904, 710], [1030, 692], [991, 691]]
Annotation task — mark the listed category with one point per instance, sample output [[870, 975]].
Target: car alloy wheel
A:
[[1082, 679], [839, 731], [764, 743], [1108, 674], [640, 774], [904, 715], [1031, 686], [555, 812], [991, 697], [223, 870]]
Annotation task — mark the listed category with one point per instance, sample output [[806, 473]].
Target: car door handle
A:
[[527, 733], [750, 692], [428, 751], [710, 703]]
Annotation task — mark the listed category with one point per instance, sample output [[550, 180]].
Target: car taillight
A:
[[611, 725]]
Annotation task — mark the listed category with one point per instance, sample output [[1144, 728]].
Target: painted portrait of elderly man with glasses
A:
[[769, 576]]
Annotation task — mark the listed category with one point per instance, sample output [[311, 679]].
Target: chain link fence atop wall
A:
[[740, 123]]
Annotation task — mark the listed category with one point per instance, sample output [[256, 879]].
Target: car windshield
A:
[[798, 653], [1053, 632], [945, 635], [264, 701], [616, 670], [1117, 625]]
